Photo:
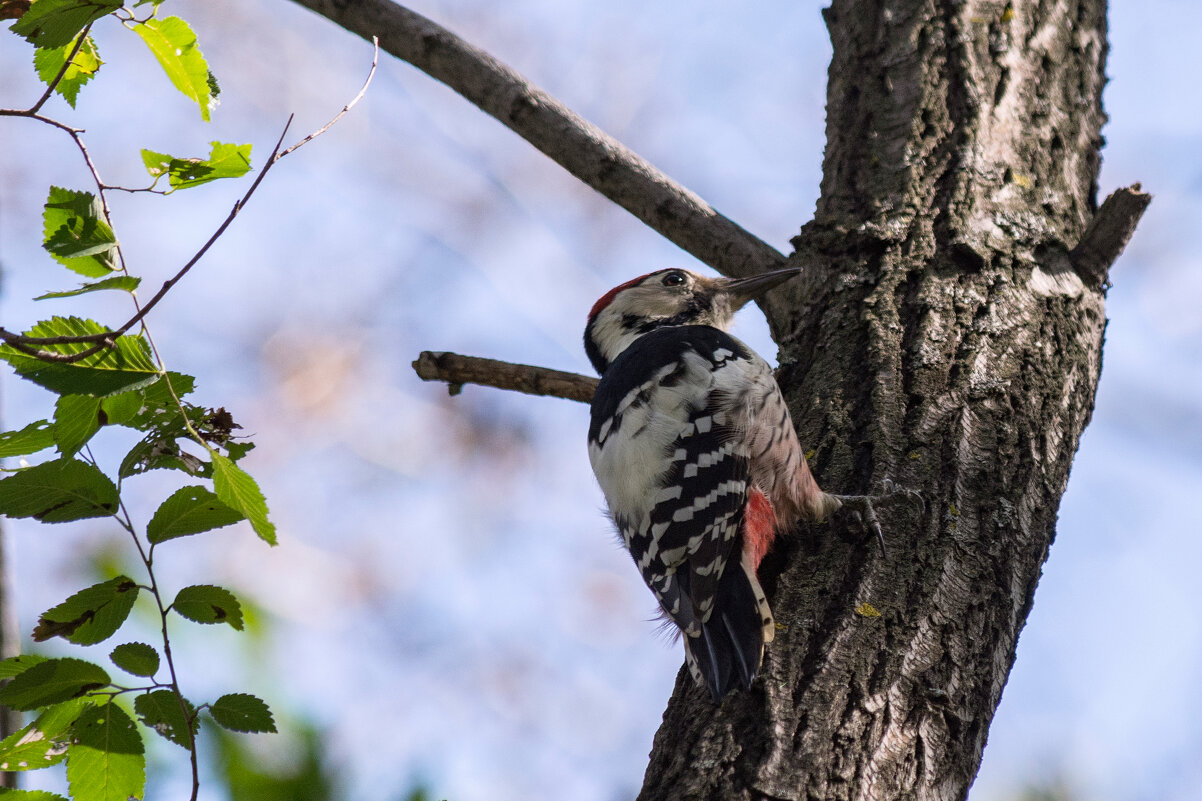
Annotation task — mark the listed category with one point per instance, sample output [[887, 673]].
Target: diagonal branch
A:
[[458, 370], [575, 144]]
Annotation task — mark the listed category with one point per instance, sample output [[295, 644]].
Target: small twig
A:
[[1108, 233], [457, 370], [580, 147], [375, 60]]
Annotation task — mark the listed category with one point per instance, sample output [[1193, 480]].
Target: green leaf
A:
[[48, 61], [58, 492], [91, 615], [242, 712], [52, 681], [174, 45], [190, 510], [126, 366], [54, 23], [239, 491], [156, 452], [224, 161], [160, 710], [125, 282], [121, 408], [16, 665], [32, 438], [77, 233], [106, 761], [44, 742], [137, 658], [205, 603], [76, 419]]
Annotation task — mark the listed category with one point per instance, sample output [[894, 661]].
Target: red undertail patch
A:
[[759, 527]]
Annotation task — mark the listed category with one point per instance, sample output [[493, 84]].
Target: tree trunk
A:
[[947, 336]]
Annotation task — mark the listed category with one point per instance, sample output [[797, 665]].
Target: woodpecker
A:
[[695, 452]]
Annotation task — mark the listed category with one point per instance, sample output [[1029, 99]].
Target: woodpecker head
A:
[[667, 297]]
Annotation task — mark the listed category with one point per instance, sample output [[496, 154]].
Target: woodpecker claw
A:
[[863, 511]]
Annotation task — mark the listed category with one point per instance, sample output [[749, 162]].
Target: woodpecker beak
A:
[[742, 290]]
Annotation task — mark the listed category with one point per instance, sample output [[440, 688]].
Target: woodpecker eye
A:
[[674, 278]]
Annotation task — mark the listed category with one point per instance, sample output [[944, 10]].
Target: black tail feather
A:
[[730, 647]]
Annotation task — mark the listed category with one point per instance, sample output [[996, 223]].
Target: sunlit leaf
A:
[[224, 161], [48, 61], [77, 233], [43, 742], [238, 490], [58, 492], [106, 761], [174, 45], [126, 282], [125, 366]]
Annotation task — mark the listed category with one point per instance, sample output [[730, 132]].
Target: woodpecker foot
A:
[[861, 508]]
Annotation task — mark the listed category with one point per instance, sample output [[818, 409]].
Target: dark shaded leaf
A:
[[52, 681], [160, 710], [189, 510], [205, 603], [91, 615], [58, 492], [242, 712], [137, 658]]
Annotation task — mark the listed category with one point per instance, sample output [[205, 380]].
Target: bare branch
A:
[[375, 60], [458, 370], [575, 144], [1108, 233]]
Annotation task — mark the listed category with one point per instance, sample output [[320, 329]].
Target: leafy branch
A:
[[115, 378]]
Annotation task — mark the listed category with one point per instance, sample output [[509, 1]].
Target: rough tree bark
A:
[[946, 335], [941, 338]]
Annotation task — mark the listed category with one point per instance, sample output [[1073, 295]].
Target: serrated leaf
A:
[[242, 712], [77, 234], [106, 761], [127, 283], [126, 366], [204, 603], [91, 615], [58, 492], [137, 658], [189, 510], [53, 23], [76, 419], [48, 61], [155, 452], [224, 161], [44, 742], [16, 665], [238, 490], [52, 681], [160, 710], [32, 438], [174, 45]]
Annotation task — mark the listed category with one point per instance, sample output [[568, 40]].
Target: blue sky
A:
[[448, 598]]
